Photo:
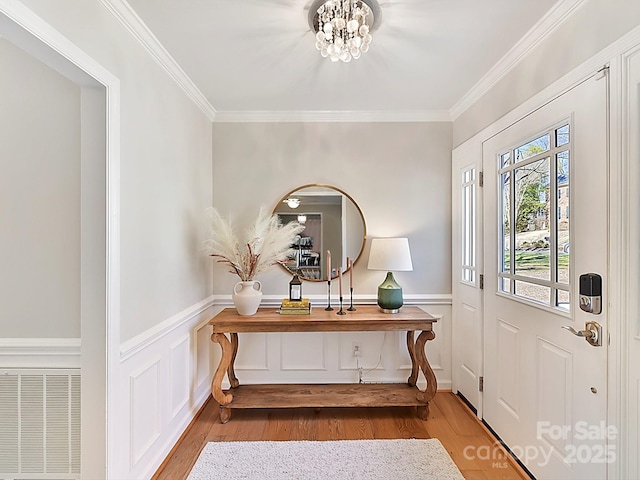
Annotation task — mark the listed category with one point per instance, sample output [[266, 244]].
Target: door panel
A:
[[546, 389], [467, 263]]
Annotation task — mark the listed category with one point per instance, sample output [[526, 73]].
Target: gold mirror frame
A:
[[279, 209]]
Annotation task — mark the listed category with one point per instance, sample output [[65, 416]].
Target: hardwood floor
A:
[[470, 445]]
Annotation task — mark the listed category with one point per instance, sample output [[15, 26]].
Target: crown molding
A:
[[332, 116], [123, 12], [549, 23]]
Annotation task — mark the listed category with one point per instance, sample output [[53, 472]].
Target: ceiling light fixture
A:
[[343, 28], [292, 202]]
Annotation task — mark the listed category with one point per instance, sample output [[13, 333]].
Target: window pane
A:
[[468, 275], [504, 159], [562, 136], [530, 291], [505, 180], [563, 217], [564, 300], [505, 285], [533, 220], [532, 148]]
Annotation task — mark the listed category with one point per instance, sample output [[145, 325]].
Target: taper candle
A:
[[328, 265], [340, 280], [350, 267]]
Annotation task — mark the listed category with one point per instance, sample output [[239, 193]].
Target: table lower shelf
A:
[[324, 395]]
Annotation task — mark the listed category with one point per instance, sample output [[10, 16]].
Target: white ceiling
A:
[[259, 55]]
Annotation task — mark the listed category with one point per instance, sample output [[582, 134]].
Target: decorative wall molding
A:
[[148, 337], [123, 12], [166, 374], [409, 299], [40, 352], [179, 356], [144, 403], [333, 116], [548, 24]]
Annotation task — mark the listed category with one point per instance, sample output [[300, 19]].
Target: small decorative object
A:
[[329, 308], [350, 267], [295, 289], [301, 307], [247, 299], [390, 254], [267, 243], [341, 311]]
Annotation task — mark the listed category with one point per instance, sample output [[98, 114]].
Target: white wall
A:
[[39, 198], [165, 169], [398, 173], [593, 27]]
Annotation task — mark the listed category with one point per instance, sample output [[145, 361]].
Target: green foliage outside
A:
[[536, 260]]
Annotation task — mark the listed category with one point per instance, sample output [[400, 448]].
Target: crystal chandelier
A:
[[343, 29]]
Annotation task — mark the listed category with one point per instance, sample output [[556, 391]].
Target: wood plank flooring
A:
[[470, 445]]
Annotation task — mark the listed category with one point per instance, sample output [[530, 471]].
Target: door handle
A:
[[592, 333]]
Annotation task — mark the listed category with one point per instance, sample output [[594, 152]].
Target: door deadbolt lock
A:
[[592, 333], [591, 293]]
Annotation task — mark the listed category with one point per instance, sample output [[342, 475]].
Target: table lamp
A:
[[390, 254]]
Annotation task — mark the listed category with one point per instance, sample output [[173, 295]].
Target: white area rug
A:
[[335, 460]]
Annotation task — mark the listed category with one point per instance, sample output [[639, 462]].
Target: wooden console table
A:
[[365, 318]]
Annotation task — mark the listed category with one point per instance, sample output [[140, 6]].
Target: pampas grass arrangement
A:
[[267, 243]]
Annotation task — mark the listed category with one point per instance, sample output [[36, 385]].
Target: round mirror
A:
[[333, 224]]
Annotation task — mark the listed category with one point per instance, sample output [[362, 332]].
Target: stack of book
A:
[[301, 307]]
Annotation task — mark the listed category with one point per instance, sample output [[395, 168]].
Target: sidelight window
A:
[[469, 225], [534, 218]]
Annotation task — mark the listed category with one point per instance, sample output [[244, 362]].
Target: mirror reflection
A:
[[333, 223]]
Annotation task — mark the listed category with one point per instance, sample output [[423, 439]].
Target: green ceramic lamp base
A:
[[390, 295]]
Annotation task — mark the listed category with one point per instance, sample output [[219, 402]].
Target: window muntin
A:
[[534, 198]]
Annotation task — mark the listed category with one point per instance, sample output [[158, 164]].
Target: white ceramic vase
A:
[[247, 297]]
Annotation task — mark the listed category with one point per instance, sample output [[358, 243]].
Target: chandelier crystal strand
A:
[[343, 32]]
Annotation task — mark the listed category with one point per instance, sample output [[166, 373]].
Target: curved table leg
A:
[[223, 367], [419, 362], [233, 380], [411, 346]]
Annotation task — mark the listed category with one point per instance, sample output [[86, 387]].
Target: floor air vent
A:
[[39, 424]]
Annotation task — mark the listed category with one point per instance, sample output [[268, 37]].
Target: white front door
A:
[[545, 224]]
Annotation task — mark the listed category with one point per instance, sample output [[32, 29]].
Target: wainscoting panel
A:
[[180, 374], [303, 351], [555, 384], [508, 380], [203, 355], [166, 375], [145, 409], [374, 349], [253, 353]]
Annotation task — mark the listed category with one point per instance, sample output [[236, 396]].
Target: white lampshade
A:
[[390, 254]]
